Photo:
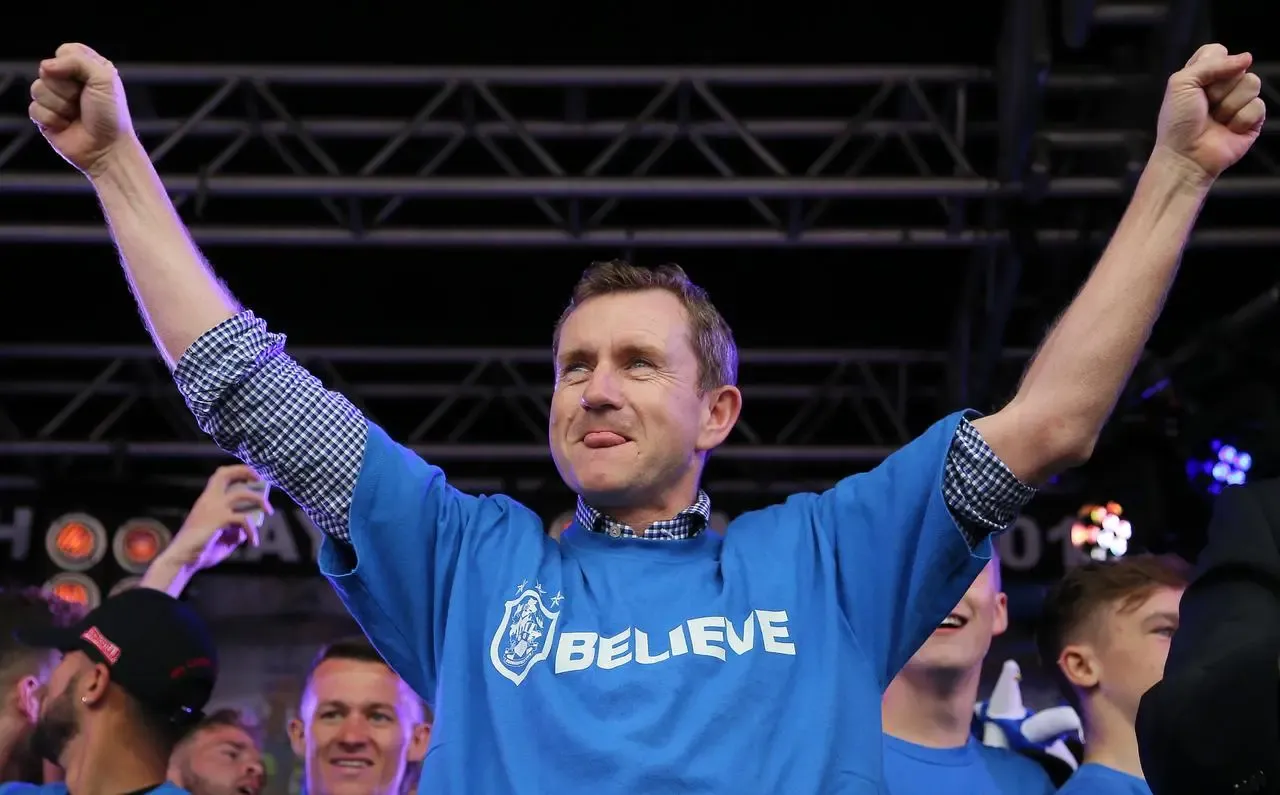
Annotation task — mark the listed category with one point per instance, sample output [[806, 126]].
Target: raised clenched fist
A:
[[79, 106], [1212, 111]]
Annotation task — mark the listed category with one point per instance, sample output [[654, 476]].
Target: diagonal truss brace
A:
[[487, 405], [585, 145]]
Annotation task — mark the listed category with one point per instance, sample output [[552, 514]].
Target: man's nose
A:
[[255, 769], [354, 732], [603, 391]]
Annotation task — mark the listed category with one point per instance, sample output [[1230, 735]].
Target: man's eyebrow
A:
[[572, 355], [365, 705]]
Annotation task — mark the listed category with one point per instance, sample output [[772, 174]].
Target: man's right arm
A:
[[179, 296], [245, 392], [393, 556], [1213, 723]]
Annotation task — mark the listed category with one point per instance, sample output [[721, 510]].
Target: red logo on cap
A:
[[97, 640], [190, 666]]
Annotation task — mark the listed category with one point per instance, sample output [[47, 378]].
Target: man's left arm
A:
[[1210, 117], [927, 513]]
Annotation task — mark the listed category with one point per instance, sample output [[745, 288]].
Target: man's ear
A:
[[93, 685], [1080, 666], [26, 695], [298, 738], [723, 406], [419, 741]]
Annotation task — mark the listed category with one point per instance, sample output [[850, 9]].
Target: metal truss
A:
[[584, 156], [481, 406]]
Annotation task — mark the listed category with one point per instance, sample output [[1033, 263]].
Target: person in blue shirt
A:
[[135, 675], [640, 653], [928, 709], [1105, 633]]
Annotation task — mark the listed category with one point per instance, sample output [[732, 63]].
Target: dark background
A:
[[886, 297]]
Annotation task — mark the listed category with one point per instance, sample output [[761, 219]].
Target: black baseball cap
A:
[[157, 648]]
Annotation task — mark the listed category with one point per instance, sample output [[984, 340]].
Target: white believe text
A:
[[712, 636]]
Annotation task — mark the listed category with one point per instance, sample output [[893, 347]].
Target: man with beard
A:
[[222, 756], [23, 674], [360, 729], [134, 676], [928, 709]]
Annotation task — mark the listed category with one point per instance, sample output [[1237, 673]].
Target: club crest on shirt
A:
[[526, 633]]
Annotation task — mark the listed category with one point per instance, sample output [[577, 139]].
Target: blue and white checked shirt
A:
[[260, 405]]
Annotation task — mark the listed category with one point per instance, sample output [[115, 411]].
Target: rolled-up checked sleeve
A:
[[982, 493], [264, 408]]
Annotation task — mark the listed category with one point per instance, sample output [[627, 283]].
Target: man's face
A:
[[60, 717], [628, 358], [963, 639], [219, 760], [1131, 648], [358, 726]]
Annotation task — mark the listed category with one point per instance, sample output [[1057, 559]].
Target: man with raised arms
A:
[[640, 653]]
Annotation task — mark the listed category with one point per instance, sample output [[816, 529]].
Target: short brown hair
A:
[[228, 717], [1086, 590], [710, 335], [359, 649]]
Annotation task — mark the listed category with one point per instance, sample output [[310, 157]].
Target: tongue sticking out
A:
[[600, 439]]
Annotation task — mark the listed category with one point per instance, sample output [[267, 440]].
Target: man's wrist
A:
[[164, 570], [120, 165], [1176, 172]]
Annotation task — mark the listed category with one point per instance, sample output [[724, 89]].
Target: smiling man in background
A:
[[360, 730], [928, 709]]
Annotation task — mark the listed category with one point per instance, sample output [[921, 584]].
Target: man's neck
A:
[[643, 515], [1111, 740], [932, 708], [95, 764]]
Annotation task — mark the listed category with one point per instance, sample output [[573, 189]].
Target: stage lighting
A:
[[124, 585], [1100, 532], [137, 543], [1228, 466], [74, 588], [76, 542]]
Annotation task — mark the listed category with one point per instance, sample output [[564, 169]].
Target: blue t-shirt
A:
[[747, 663], [972, 769], [1095, 779], [22, 788]]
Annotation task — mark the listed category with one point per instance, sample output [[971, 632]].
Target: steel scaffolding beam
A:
[[484, 405], [575, 156]]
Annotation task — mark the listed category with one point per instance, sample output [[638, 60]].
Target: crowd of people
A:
[[361, 730], [145, 717], [638, 651]]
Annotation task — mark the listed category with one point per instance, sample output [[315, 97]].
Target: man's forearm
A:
[[167, 575], [1077, 376], [178, 294]]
